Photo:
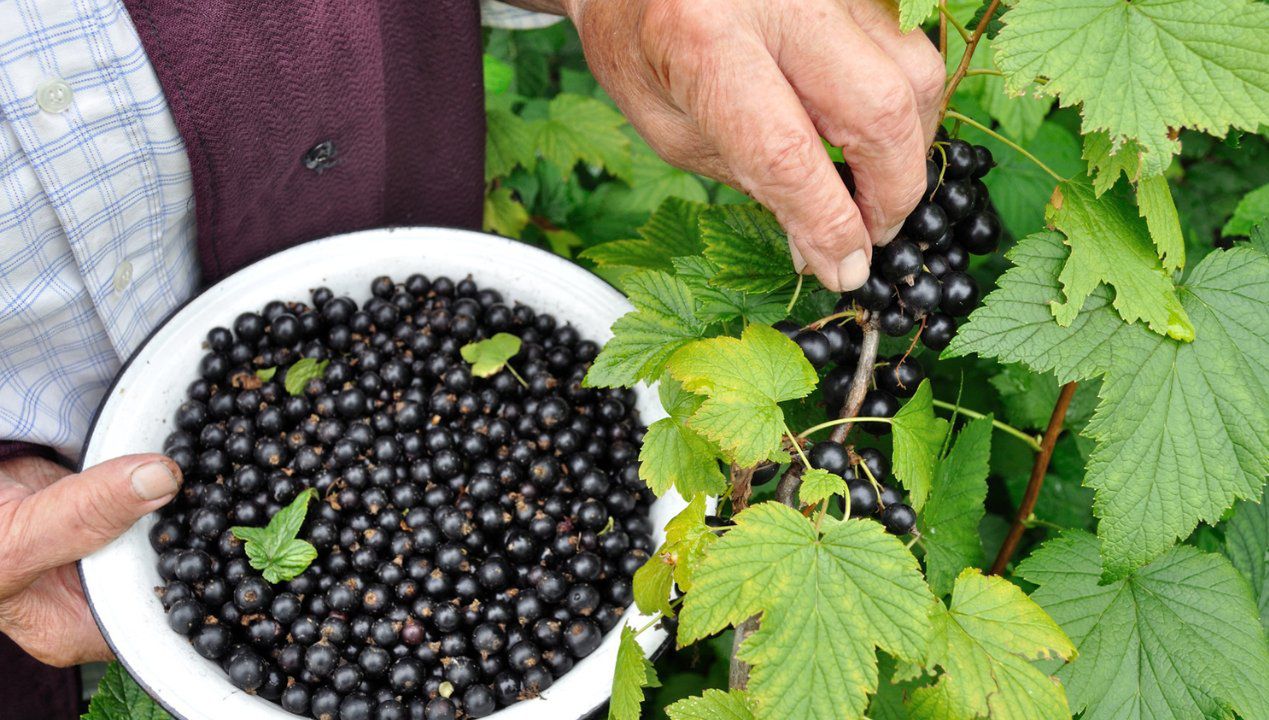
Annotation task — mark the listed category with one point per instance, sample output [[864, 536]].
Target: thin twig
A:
[[859, 381], [974, 123], [796, 292], [943, 30], [1003, 427], [1038, 470], [945, 18], [738, 671], [970, 47]]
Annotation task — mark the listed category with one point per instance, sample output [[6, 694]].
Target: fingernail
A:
[[852, 271], [153, 481], [799, 262]]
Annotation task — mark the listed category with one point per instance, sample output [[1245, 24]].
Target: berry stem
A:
[[859, 381], [1003, 427], [516, 375], [946, 18], [839, 422], [796, 446], [974, 123], [971, 45], [943, 31], [984, 71], [830, 318], [797, 290], [1038, 470]]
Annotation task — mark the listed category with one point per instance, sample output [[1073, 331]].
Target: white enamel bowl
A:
[[137, 415]]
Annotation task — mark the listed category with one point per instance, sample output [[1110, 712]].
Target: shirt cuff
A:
[[12, 449], [501, 15]]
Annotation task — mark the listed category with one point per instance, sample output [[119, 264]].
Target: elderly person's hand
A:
[[49, 518], [741, 91]]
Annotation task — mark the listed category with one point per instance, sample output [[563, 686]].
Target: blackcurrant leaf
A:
[[1177, 638], [266, 374], [744, 380], [275, 549], [1111, 244], [489, 356], [713, 705], [675, 455], [1175, 65], [582, 129], [672, 231], [298, 375], [826, 602], [749, 248], [918, 438], [504, 214], [949, 521], [118, 697], [663, 321], [1247, 547], [634, 673], [1178, 441], [1251, 211], [819, 485], [723, 305], [985, 642]]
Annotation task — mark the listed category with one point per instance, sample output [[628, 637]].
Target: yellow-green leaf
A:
[[489, 356]]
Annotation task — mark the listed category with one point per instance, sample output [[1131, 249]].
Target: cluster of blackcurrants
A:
[[918, 280], [475, 536]]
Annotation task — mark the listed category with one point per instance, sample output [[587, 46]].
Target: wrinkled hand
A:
[[50, 518], [741, 90]]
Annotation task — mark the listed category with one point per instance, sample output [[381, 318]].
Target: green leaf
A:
[[713, 705], [1178, 440], [1175, 640], [504, 214], [1028, 397], [984, 642], [634, 673], [582, 129], [1247, 547], [266, 374], [1107, 160], [673, 454], [819, 485], [498, 75], [1260, 237], [1251, 210], [949, 522], [1019, 189], [724, 305], [918, 436], [118, 697], [1145, 68], [1154, 203], [914, 12], [826, 601], [274, 550], [1110, 244], [509, 142], [652, 584], [672, 231], [298, 375], [489, 356], [748, 247], [663, 321], [744, 381]]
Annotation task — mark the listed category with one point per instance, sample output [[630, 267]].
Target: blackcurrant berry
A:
[[899, 260], [863, 498], [874, 294], [900, 376], [980, 234], [961, 159], [894, 321], [880, 404], [960, 294], [830, 456], [956, 197], [922, 296], [815, 346], [898, 519], [926, 223], [938, 331], [984, 162]]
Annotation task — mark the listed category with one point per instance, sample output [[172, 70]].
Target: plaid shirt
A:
[[96, 208]]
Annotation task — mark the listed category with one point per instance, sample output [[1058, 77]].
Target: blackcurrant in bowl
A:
[[374, 441]]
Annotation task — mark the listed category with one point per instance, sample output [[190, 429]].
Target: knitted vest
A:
[[307, 118]]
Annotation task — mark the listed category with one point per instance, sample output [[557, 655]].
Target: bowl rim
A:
[[141, 346]]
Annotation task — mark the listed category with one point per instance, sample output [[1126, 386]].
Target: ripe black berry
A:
[[922, 295], [962, 161], [881, 404], [830, 456], [246, 670], [863, 498], [899, 376], [980, 234], [899, 260], [815, 346], [938, 332], [894, 321], [960, 294], [926, 223], [898, 518], [874, 294], [956, 197]]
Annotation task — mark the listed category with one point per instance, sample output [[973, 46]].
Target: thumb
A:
[[81, 513]]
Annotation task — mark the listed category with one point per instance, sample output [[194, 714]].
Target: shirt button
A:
[[123, 276], [54, 95]]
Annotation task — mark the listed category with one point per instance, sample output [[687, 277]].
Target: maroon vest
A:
[[307, 118]]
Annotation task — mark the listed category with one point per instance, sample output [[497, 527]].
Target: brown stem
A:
[[741, 487], [963, 67], [859, 381], [738, 672], [1038, 470], [943, 30]]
